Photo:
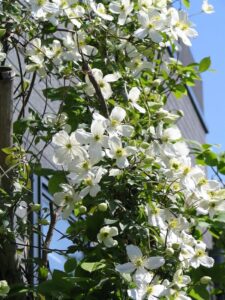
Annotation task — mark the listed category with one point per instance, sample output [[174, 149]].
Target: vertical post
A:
[[9, 262], [6, 115]]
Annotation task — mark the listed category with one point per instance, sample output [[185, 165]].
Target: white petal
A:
[[133, 252], [154, 262], [134, 94], [112, 77], [118, 113], [125, 268]]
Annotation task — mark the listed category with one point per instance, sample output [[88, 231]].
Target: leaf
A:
[[186, 3], [43, 273], [210, 158], [61, 93], [2, 32], [204, 64], [55, 181], [70, 265], [92, 266], [195, 295]]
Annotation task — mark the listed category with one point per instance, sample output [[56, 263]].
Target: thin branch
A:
[[26, 100], [48, 239], [21, 77], [87, 70]]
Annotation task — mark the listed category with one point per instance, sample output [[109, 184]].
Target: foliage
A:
[[123, 177]]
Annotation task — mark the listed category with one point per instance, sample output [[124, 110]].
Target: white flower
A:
[[181, 280], [91, 182], [76, 44], [140, 264], [207, 8], [103, 83], [137, 64], [134, 95], [200, 257], [179, 295], [100, 10], [96, 139], [74, 14], [114, 124], [106, 235], [123, 8], [40, 9], [181, 27], [67, 148], [119, 153], [68, 198], [152, 23], [146, 291]]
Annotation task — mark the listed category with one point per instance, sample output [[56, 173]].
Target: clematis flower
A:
[[139, 263], [123, 8], [100, 10], [103, 83], [115, 124], [200, 257], [181, 27], [77, 44], [67, 148], [134, 95], [181, 280], [119, 153], [91, 182], [74, 14], [106, 235], [152, 23], [146, 291], [95, 139], [207, 8], [67, 199]]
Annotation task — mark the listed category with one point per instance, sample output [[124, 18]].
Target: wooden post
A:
[[6, 115], [9, 263]]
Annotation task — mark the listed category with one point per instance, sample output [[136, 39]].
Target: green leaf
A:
[[2, 32], [62, 93], [43, 273], [92, 266], [210, 158], [70, 265], [186, 3], [204, 64], [55, 181]]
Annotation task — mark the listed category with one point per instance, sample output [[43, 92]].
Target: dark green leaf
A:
[[55, 181], [70, 265]]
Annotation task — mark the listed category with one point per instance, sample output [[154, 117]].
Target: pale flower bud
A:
[[205, 279], [103, 206], [4, 288]]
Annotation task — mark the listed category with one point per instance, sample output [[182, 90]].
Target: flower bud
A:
[[205, 279], [4, 288], [176, 246], [35, 207], [102, 206], [82, 209], [169, 251]]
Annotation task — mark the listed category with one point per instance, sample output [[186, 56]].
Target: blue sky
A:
[[211, 42]]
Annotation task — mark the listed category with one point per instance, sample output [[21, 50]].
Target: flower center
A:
[[119, 152], [68, 146], [138, 262], [88, 181]]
